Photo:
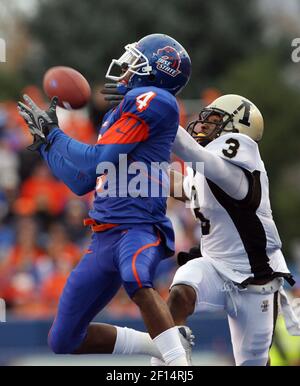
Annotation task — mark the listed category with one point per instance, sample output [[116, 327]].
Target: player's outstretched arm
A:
[[79, 181], [89, 156], [44, 125], [230, 178]]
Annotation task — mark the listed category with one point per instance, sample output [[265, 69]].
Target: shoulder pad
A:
[[150, 103], [163, 96], [141, 90], [238, 149]]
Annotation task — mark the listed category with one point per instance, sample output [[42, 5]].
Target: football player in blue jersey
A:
[[131, 233]]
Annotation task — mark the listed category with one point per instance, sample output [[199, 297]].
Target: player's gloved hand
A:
[[184, 257], [38, 140], [39, 122], [112, 94]]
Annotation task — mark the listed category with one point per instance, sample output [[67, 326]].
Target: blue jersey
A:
[[147, 119], [142, 128]]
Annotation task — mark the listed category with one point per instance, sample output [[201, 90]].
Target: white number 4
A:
[[143, 100]]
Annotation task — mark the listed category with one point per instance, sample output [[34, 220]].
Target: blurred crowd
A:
[[42, 236]]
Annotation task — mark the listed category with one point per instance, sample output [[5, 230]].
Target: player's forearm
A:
[[80, 182], [86, 156], [230, 178], [80, 154]]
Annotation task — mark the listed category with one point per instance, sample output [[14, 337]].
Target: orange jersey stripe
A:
[[128, 129], [140, 250]]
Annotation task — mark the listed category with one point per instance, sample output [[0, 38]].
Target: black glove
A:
[[39, 122], [184, 257], [112, 95]]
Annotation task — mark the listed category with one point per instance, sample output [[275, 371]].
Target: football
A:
[[69, 85]]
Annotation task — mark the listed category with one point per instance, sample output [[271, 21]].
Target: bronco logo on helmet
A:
[[169, 62]]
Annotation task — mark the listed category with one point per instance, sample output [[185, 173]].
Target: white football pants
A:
[[251, 312]]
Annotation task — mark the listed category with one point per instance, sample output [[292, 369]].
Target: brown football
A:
[[69, 85]]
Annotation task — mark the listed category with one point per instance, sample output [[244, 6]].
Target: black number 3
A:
[[233, 148]]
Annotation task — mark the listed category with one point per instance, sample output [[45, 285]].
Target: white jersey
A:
[[240, 237]]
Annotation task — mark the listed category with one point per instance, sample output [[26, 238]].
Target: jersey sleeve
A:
[[238, 149], [80, 181], [228, 176]]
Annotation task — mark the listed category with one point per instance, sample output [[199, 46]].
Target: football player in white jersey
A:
[[242, 267]]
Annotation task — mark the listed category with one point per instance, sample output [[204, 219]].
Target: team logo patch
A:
[[264, 305], [169, 61]]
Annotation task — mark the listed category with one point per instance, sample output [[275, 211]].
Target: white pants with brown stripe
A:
[[251, 312]]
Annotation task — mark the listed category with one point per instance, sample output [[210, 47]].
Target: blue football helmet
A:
[[156, 60]]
